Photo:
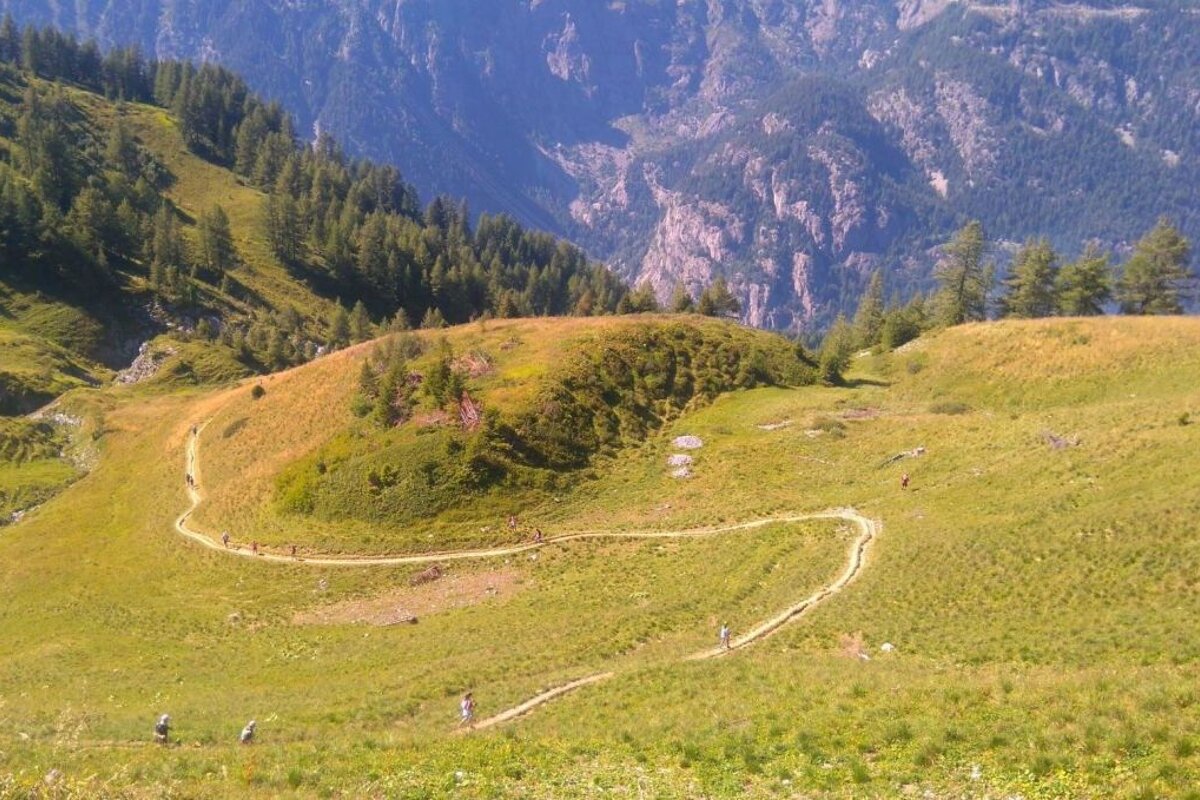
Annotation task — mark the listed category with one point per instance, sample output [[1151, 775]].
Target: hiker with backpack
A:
[[466, 708]]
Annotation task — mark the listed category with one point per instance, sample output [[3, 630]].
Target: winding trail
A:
[[868, 531]]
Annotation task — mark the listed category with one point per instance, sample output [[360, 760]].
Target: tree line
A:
[[1157, 278], [82, 204]]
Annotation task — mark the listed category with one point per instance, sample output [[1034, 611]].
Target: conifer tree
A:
[[217, 253], [10, 41], [868, 319], [1085, 285], [681, 300], [963, 278], [360, 323], [837, 348], [339, 328], [1031, 288], [718, 301], [1157, 279]]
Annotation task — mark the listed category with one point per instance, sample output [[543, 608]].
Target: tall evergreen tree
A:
[[868, 319], [1085, 285], [837, 349], [217, 253], [360, 323], [1157, 279], [681, 300], [1031, 289], [339, 328], [963, 278], [10, 41]]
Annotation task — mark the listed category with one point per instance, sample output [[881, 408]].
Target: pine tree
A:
[[217, 253], [1031, 288], [360, 323], [368, 381], [718, 301], [433, 319], [837, 348], [681, 300], [1157, 279], [1084, 286], [10, 41], [642, 300], [903, 324], [868, 319], [963, 278], [339, 328], [91, 220]]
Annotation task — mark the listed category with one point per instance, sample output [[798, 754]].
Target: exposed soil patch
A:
[[411, 603], [860, 413]]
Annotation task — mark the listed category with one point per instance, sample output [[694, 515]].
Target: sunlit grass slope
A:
[[300, 434], [1037, 579]]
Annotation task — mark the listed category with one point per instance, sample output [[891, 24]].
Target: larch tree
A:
[[963, 278]]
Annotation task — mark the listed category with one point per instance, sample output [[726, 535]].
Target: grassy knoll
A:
[[301, 439], [1037, 579]]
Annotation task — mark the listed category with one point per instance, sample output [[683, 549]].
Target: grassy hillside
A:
[[297, 467], [1037, 579]]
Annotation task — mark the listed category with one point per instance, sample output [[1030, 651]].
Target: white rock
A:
[[688, 442]]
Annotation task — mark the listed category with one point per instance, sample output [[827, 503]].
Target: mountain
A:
[[792, 145]]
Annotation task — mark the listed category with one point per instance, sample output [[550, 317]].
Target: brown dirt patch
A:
[[402, 605]]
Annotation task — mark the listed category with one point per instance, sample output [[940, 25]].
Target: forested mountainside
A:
[[159, 217], [792, 145]]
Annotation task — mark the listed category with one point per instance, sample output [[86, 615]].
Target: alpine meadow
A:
[[746, 432]]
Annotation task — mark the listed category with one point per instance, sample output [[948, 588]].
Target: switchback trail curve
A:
[[868, 531]]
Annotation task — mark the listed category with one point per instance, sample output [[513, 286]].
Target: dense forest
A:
[[84, 206]]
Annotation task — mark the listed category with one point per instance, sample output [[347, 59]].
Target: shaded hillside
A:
[[158, 211]]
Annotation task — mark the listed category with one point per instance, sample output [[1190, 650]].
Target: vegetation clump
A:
[[433, 439]]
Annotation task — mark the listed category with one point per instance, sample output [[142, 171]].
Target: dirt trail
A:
[[868, 530]]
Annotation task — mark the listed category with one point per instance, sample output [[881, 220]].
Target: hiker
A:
[[467, 710], [512, 521], [724, 634], [293, 551], [537, 536], [225, 539], [162, 729], [904, 481], [254, 548], [247, 736]]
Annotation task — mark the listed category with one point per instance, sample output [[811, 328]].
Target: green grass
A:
[[1042, 602], [300, 448]]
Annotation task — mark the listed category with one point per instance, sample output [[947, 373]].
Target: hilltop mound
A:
[[469, 425]]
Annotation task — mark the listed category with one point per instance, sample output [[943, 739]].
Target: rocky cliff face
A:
[[792, 145]]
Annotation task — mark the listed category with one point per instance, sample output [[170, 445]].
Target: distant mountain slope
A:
[[605, 122], [161, 218]]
